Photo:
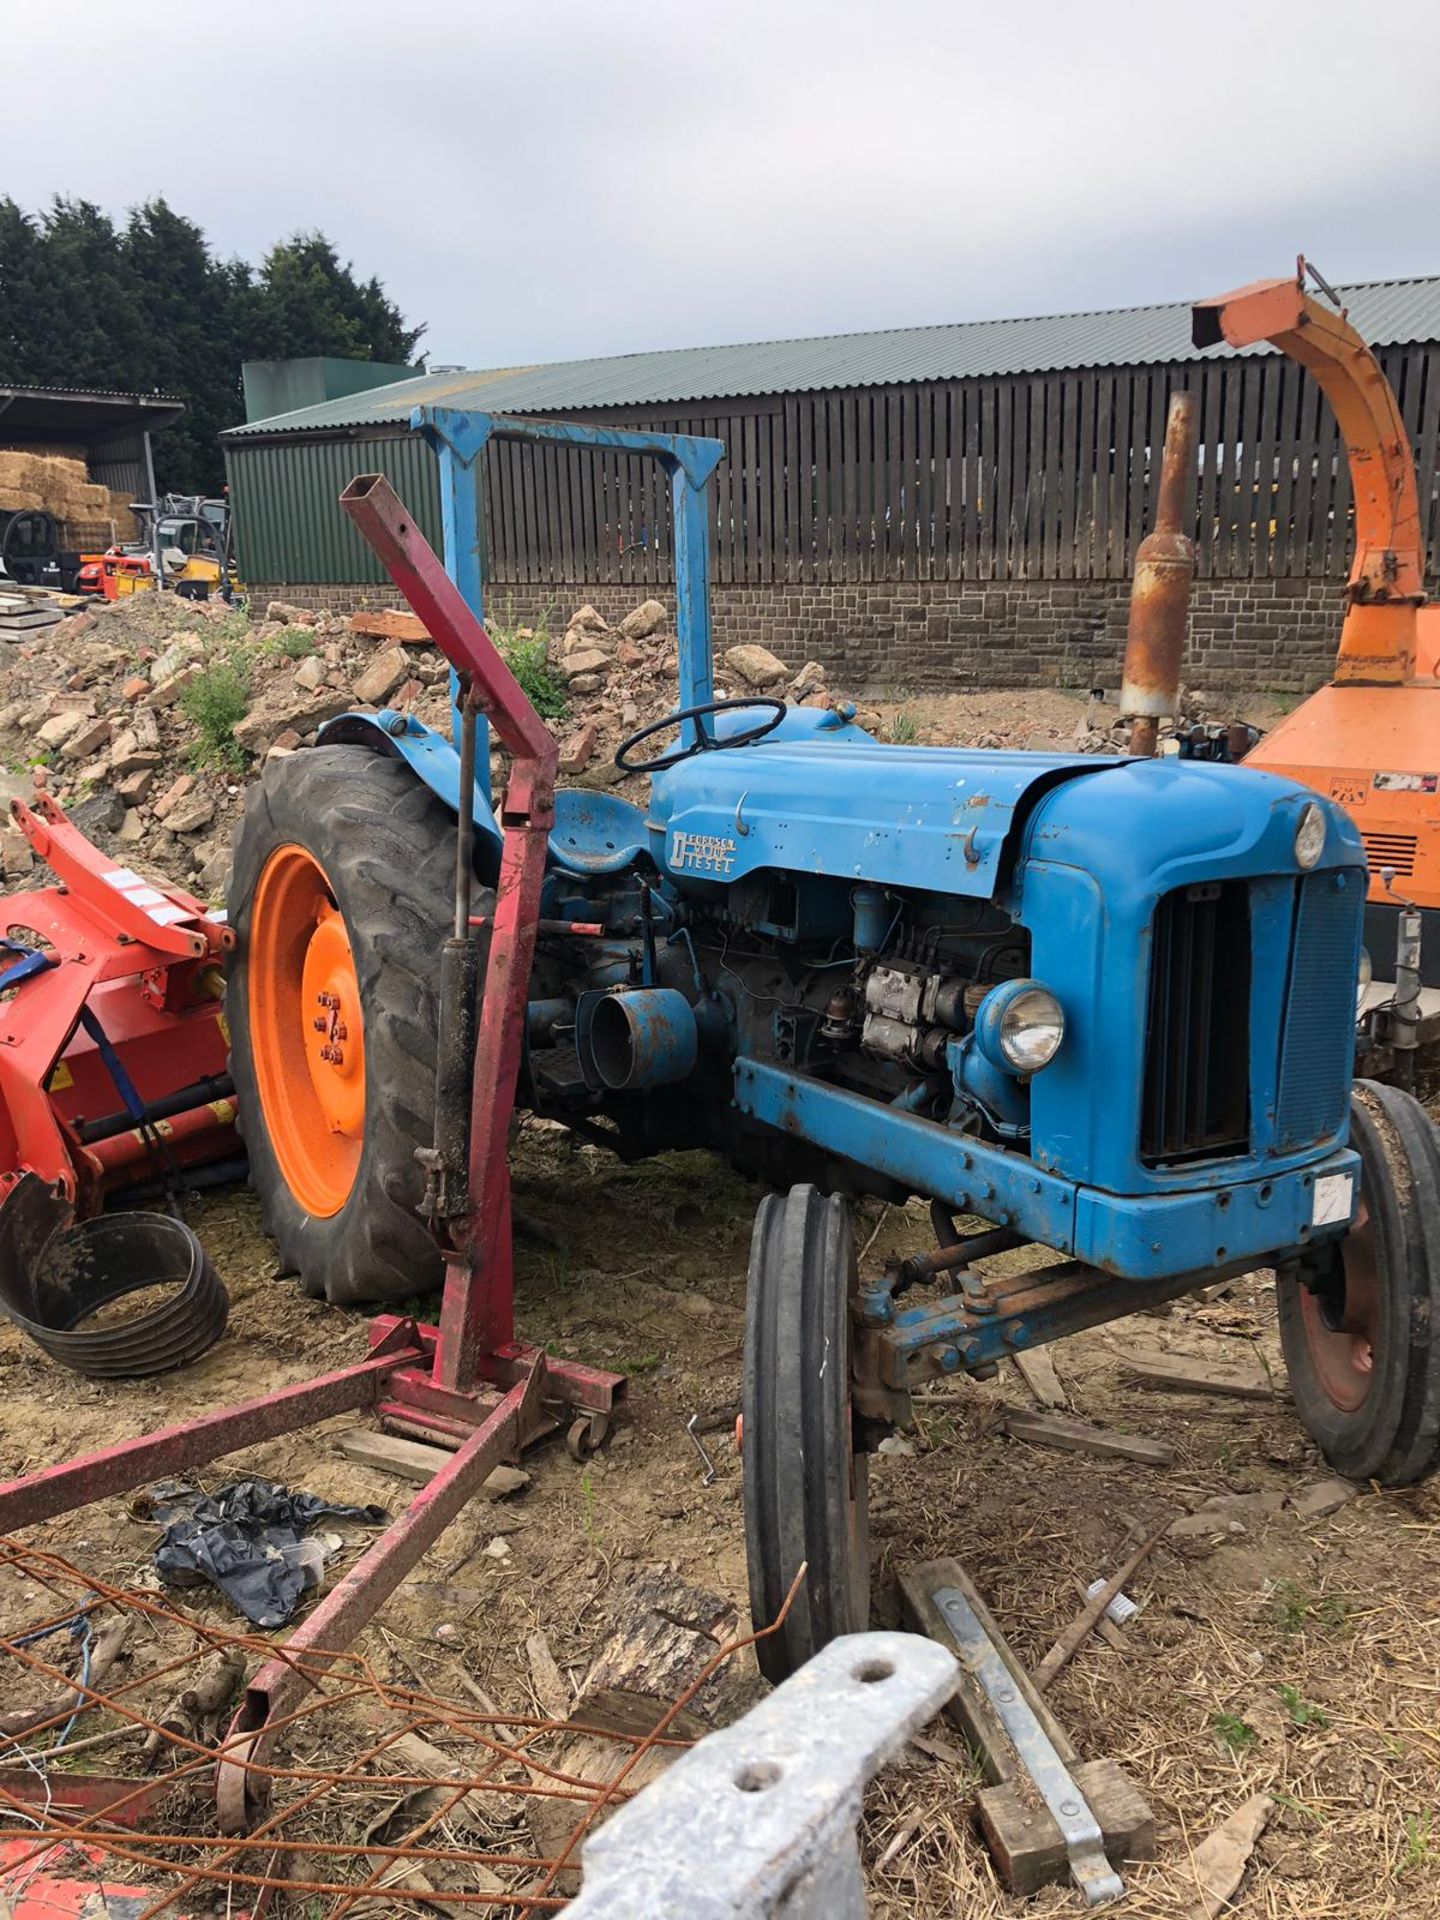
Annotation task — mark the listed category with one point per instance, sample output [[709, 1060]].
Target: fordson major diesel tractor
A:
[[1099, 1005]]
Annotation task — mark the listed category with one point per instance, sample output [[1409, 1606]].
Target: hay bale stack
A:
[[60, 484]]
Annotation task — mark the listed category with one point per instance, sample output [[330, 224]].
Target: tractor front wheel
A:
[[340, 899], [806, 1486], [1361, 1330]]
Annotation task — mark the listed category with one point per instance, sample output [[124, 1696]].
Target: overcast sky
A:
[[553, 178]]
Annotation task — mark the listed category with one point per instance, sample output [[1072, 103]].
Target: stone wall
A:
[[885, 636]]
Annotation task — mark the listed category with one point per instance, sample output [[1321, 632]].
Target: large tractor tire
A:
[[806, 1485], [341, 898], [1362, 1339]]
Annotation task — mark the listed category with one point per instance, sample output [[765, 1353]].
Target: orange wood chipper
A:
[[1371, 738]]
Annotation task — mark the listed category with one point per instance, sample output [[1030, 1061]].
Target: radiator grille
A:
[[1197, 1058], [1395, 850], [1317, 1049]]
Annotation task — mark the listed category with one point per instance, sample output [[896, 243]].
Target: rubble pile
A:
[[147, 717], [621, 678]]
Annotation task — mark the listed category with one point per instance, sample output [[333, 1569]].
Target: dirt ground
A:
[[1274, 1655], [1279, 1656]]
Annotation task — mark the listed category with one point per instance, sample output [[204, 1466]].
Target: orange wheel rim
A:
[[306, 1031]]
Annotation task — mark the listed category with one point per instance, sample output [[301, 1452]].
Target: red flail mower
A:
[[113, 1042]]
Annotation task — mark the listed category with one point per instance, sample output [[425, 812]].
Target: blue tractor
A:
[[1100, 1006]]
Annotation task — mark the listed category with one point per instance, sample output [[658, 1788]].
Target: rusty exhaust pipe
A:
[[1160, 591]]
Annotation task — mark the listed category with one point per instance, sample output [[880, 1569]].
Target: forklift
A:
[[186, 547]]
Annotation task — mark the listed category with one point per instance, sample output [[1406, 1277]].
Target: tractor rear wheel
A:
[[1361, 1332], [806, 1486], [340, 898]]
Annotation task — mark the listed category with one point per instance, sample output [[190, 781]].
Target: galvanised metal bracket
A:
[[1084, 1842], [760, 1818], [459, 438]]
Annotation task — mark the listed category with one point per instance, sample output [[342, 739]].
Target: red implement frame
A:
[[468, 1383], [144, 962]]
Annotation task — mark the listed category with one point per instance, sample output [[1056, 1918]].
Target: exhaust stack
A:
[[1160, 591]]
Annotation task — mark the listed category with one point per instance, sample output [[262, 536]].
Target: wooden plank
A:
[[1038, 549], [566, 559], [1185, 1373], [805, 525], [849, 486], [587, 512], [1227, 518], [926, 397], [1026, 1843], [788, 560], [389, 623], [867, 461], [985, 481], [557, 523], [1138, 457], [1071, 475], [1155, 440], [1104, 474], [1024, 1838], [1208, 490], [949, 428], [970, 1708], [834, 488], [1005, 409], [1341, 525], [1251, 375], [1428, 436], [552, 1690], [499, 510], [410, 1460], [967, 402], [1307, 441], [1049, 489], [1079, 1436], [1037, 1370], [899, 491], [1284, 377], [534, 528]]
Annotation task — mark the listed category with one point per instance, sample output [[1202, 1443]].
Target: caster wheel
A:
[[806, 1487], [587, 1435], [1361, 1325]]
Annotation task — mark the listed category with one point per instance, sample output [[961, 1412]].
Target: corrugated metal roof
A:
[[1387, 312], [156, 398]]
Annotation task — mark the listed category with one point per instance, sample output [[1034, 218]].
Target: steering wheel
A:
[[706, 743]]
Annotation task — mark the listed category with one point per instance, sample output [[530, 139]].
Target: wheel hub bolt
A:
[[320, 1023]]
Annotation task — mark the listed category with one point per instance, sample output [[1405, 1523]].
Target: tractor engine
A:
[[877, 993], [1125, 984]]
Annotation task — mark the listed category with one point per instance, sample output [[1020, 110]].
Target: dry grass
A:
[[1297, 1660], [643, 1268]]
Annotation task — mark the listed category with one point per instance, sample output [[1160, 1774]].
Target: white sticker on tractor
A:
[[1333, 1198]]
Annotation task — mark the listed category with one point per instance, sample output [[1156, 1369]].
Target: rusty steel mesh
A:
[[350, 1824]]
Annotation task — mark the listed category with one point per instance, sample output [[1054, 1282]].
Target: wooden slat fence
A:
[[1045, 476]]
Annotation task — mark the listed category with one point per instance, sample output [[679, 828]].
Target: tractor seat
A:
[[595, 832]]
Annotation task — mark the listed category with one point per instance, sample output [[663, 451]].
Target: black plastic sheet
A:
[[248, 1539]]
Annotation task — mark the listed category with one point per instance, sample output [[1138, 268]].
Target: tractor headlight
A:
[[1019, 1026], [1310, 835], [1031, 1029]]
